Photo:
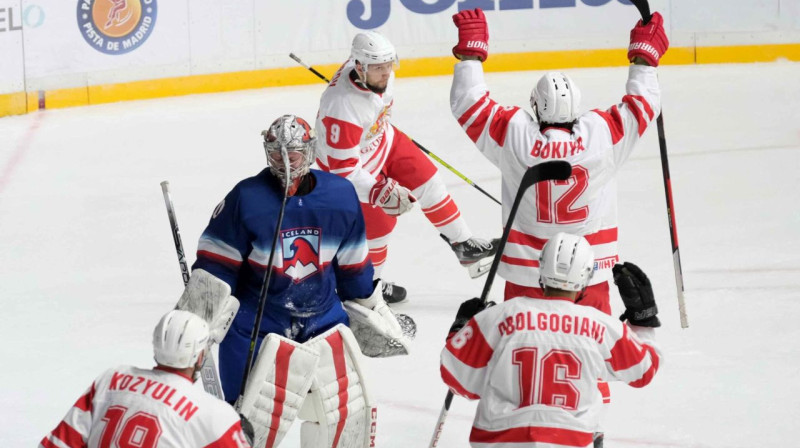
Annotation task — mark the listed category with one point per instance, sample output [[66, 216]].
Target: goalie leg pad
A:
[[340, 410], [277, 387], [210, 298]]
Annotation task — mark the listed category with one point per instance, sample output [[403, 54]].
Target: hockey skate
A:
[[475, 254], [392, 293]]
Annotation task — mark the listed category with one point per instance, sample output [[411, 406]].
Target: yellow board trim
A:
[[21, 102], [12, 104]]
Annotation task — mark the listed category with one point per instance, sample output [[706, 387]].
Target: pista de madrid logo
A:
[[116, 26]]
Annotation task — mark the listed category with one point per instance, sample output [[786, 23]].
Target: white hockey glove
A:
[[210, 298], [379, 332], [392, 197]]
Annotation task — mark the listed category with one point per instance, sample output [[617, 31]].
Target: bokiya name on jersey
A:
[[301, 252]]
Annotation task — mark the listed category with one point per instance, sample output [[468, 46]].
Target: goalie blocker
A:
[[318, 381]]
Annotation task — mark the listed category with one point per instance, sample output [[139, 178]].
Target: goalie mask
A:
[[566, 262], [294, 135], [555, 99]]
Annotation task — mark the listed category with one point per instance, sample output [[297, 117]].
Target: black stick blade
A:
[[552, 170]]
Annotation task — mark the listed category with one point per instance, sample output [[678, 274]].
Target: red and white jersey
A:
[[128, 406], [534, 366], [585, 204], [353, 130]]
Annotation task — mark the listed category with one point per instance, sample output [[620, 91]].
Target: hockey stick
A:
[[265, 286], [644, 9], [422, 148], [553, 170], [208, 372]]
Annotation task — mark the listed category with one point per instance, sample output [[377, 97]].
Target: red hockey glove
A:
[[649, 42], [392, 197], [473, 34]]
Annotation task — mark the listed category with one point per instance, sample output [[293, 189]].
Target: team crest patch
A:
[[301, 252], [116, 26]]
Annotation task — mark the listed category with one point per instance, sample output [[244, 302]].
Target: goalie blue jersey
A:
[[321, 257]]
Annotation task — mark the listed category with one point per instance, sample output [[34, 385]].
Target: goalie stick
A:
[[644, 9], [267, 277], [208, 373], [553, 170], [422, 148]]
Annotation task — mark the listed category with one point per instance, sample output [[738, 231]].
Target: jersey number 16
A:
[[547, 380]]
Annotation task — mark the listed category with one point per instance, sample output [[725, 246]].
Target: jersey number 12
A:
[[560, 210]]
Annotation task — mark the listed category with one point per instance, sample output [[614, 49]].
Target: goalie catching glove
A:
[[210, 298], [392, 197], [380, 333]]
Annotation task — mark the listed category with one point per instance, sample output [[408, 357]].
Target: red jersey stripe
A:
[[448, 220], [499, 124], [614, 121], [468, 114], [46, 443], [218, 258], [626, 353], [648, 110], [637, 113], [476, 352], [650, 373], [458, 389], [342, 164], [438, 205], [69, 435], [528, 434], [603, 236], [517, 237], [476, 128], [519, 261], [84, 403]]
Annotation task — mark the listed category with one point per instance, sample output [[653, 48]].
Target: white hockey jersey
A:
[[128, 406], [585, 204], [354, 134], [534, 366]]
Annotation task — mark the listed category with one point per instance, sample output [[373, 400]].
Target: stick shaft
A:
[[208, 373]]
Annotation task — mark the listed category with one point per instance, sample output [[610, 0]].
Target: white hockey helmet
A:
[[566, 262], [179, 338], [371, 47], [555, 98], [294, 134]]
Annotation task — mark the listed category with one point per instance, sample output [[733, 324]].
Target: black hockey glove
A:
[[467, 311], [637, 294], [247, 429]]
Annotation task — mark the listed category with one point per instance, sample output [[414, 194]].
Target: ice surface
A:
[[87, 263]]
